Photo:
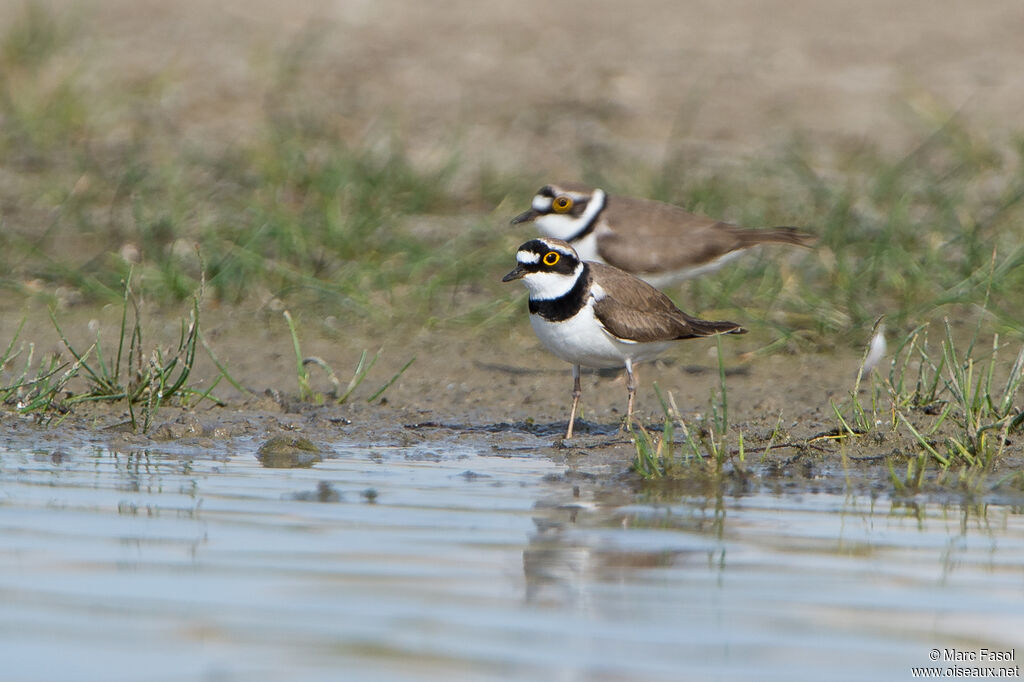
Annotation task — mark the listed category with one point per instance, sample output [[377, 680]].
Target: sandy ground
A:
[[523, 86]]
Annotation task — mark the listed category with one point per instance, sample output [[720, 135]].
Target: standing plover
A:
[[658, 242], [595, 315]]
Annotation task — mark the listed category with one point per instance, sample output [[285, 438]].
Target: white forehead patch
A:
[[540, 203], [527, 257]]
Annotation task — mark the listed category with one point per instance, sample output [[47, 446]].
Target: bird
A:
[[658, 242], [592, 314]]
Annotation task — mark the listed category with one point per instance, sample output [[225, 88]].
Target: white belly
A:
[[582, 340]]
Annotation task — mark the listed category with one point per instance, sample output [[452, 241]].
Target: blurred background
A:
[[339, 152], [523, 87]]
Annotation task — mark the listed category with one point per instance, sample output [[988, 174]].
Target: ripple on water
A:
[[446, 562]]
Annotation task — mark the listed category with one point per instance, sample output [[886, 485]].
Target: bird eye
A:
[[550, 258], [561, 204]]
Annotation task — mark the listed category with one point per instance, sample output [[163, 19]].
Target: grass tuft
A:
[[957, 407], [143, 380], [702, 454], [339, 396], [38, 387]]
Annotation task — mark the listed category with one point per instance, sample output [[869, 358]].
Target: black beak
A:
[[517, 273], [526, 216]]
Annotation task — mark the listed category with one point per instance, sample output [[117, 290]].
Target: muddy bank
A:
[[502, 392]]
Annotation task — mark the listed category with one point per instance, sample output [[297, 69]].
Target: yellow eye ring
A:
[[561, 204], [551, 258]]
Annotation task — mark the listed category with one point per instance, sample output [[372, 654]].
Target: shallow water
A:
[[428, 562]]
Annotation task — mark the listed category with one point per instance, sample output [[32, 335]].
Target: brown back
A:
[[633, 310], [652, 236]]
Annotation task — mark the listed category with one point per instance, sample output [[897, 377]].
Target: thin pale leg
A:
[[631, 388], [576, 391]]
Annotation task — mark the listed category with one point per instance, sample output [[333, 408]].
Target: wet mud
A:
[[508, 397]]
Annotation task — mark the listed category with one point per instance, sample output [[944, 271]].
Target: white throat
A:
[[545, 286], [586, 248]]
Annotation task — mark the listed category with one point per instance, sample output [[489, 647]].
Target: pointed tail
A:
[[778, 235], [710, 327]]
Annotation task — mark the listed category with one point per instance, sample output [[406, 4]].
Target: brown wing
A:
[[651, 236], [636, 311]]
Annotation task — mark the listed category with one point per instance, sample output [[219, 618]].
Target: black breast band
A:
[[566, 305]]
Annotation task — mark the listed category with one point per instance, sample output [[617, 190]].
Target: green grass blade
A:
[[392, 380]]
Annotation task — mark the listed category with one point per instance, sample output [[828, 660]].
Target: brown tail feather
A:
[[779, 235], [710, 327]]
